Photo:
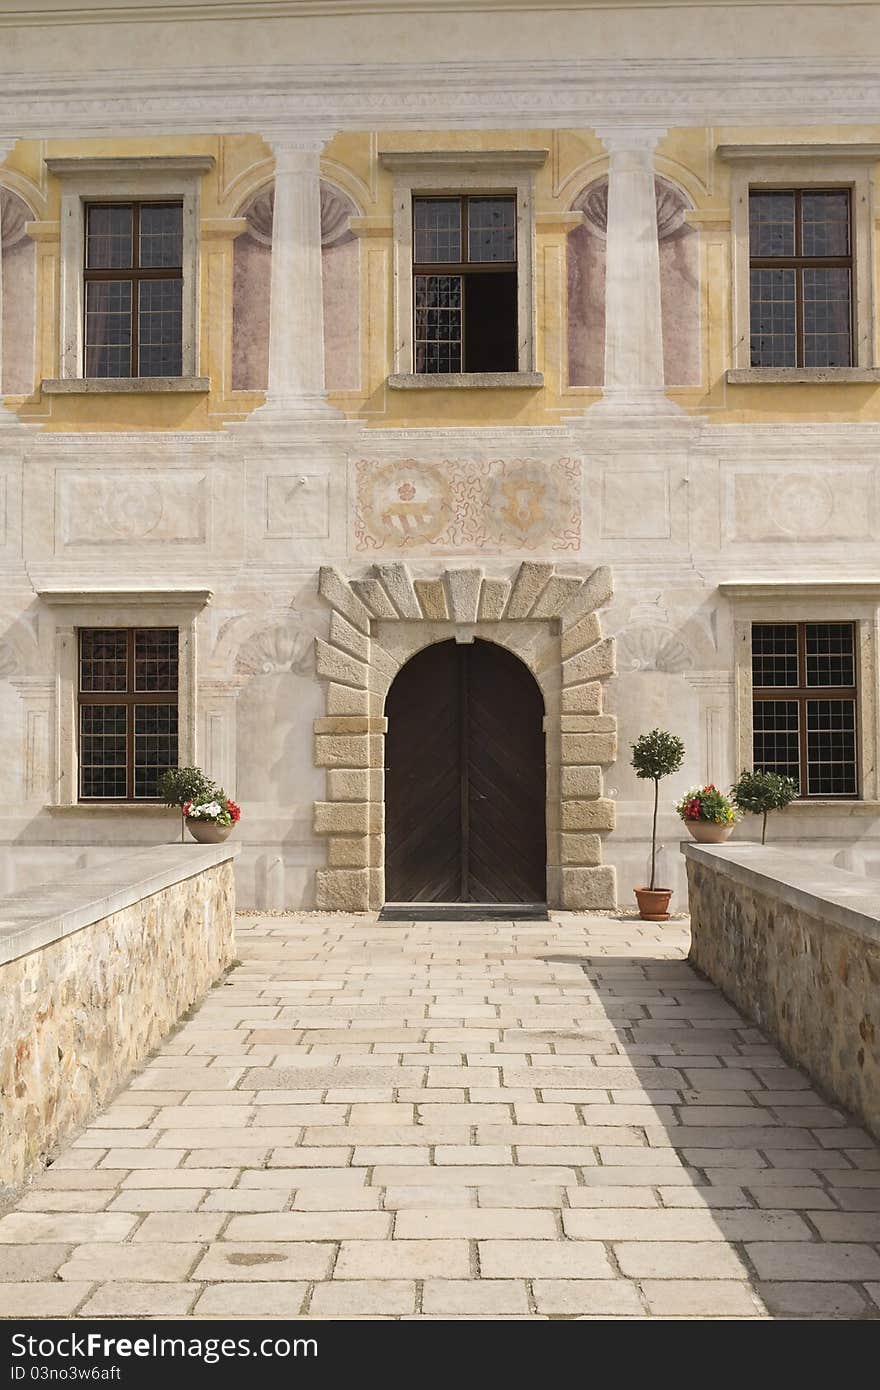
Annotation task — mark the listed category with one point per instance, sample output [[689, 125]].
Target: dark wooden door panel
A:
[[506, 778], [465, 779]]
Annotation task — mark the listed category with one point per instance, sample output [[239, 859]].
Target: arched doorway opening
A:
[[465, 778]]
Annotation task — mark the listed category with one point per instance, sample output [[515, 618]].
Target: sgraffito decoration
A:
[[467, 504]]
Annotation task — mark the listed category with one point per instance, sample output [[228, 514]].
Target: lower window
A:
[[805, 705], [127, 716]]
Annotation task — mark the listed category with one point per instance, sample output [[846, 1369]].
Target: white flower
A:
[[210, 808]]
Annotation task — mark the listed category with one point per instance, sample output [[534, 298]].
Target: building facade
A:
[[402, 412]]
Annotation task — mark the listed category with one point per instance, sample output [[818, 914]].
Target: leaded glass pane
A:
[[155, 746], [436, 231], [103, 660], [491, 230], [155, 658], [771, 224], [830, 654], [827, 325], [831, 747], [824, 224], [774, 654], [109, 237], [108, 328], [776, 746], [438, 323], [161, 236], [773, 340], [160, 328], [102, 750]]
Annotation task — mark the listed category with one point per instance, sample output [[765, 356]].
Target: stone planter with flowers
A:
[[708, 814]]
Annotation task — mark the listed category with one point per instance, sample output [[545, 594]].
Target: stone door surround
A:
[[547, 619]]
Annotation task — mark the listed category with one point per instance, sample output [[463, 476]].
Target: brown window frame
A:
[[130, 698], [802, 693], [464, 266], [801, 262], [135, 273]]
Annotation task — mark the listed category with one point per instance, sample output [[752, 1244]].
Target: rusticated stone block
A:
[[397, 582], [559, 591], [332, 664], [348, 817], [595, 592], [350, 724], [339, 595], [588, 723], [589, 748], [580, 849], [374, 597], [580, 782], [343, 890], [354, 784], [432, 598], [529, 583], [464, 594], [493, 598], [589, 890], [588, 815], [344, 699], [354, 851], [584, 634], [348, 750], [596, 661], [346, 636], [582, 699]]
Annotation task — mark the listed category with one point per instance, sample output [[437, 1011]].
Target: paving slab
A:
[[444, 1120]]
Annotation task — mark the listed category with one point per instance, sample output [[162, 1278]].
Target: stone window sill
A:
[[125, 808], [800, 376], [116, 385], [449, 381], [827, 807]]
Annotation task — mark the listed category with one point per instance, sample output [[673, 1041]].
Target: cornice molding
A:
[[760, 154], [76, 166], [166, 598], [794, 589], [577, 93], [458, 161]]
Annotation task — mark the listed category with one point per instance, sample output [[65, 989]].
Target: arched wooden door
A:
[[465, 779]]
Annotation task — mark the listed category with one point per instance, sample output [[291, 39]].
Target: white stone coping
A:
[[124, 385], [800, 376], [453, 381], [850, 901], [47, 912]]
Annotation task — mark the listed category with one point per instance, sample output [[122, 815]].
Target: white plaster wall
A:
[[673, 517]]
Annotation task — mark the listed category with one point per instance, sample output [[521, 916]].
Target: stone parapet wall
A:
[[95, 969], [796, 946]]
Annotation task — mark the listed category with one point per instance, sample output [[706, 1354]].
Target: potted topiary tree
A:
[[760, 792], [655, 755], [179, 786]]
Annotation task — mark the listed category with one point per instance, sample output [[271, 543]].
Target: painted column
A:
[[5, 146], [296, 311], [633, 328]]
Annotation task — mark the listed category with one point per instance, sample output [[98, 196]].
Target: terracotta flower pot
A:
[[653, 903], [207, 833], [708, 832]]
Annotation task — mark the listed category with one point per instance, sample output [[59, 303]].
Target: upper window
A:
[[804, 713], [464, 284], [133, 300], [127, 697], [800, 274]]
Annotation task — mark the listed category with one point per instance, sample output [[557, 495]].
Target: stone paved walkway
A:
[[469, 1120]]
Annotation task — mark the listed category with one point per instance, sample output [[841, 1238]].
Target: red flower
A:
[[234, 811], [692, 809], [186, 807]]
